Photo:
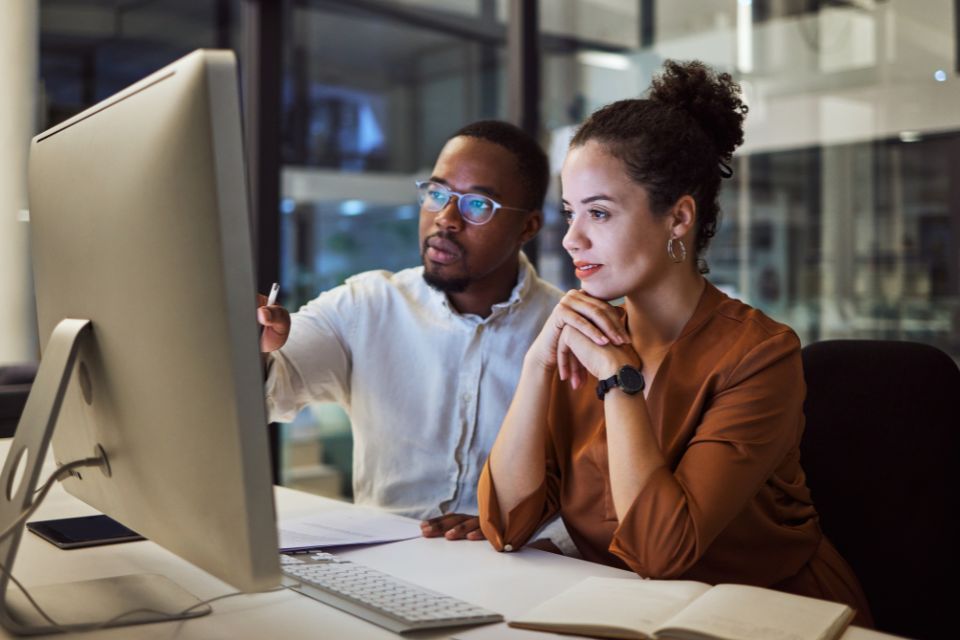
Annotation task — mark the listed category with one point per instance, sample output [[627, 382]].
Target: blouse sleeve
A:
[[516, 527], [748, 428]]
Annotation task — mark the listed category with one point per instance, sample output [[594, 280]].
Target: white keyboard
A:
[[377, 597]]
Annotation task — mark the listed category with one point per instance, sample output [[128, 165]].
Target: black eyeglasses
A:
[[473, 207]]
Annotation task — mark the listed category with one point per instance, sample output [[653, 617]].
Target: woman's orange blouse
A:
[[731, 504]]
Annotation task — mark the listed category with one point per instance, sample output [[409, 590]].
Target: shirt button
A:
[[508, 547], [466, 397]]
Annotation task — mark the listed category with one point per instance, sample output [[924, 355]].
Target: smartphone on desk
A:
[[85, 531]]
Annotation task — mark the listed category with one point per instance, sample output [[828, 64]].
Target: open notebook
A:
[[685, 610]]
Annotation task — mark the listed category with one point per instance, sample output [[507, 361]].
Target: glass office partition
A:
[[90, 49], [370, 96], [847, 241]]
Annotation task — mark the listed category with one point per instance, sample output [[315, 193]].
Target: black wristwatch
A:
[[628, 378]]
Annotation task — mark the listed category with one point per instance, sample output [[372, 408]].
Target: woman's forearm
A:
[[517, 459], [632, 451]]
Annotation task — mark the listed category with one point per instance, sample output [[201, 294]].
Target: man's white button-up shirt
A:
[[426, 387]]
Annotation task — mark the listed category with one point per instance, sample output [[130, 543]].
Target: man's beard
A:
[[446, 285], [457, 284]]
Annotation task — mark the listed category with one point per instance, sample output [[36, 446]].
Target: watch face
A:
[[631, 380]]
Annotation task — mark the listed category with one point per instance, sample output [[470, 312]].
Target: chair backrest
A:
[[880, 451]]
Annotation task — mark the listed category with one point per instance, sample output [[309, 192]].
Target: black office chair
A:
[[15, 383], [881, 450]]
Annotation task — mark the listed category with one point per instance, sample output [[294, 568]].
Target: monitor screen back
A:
[[139, 222]]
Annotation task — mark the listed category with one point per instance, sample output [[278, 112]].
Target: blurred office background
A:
[[842, 218]]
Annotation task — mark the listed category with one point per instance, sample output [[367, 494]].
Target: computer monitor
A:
[[140, 234]]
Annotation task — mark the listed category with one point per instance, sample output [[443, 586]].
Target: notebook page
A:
[[626, 603], [751, 613]]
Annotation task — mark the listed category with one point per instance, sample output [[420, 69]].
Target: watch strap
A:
[[616, 380], [605, 385]]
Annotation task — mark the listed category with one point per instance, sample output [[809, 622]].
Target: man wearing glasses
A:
[[426, 360]]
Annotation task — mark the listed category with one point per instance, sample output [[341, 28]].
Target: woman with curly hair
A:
[[665, 432]]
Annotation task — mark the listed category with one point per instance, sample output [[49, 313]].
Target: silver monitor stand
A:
[[87, 603]]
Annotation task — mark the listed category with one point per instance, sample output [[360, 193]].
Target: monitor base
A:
[[94, 603]]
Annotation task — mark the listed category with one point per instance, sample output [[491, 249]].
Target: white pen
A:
[[271, 300], [274, 290]]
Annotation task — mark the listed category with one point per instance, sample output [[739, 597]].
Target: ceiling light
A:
[[352, 207], [615, 61]]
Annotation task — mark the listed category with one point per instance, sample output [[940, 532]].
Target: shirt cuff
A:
[[513, 529]]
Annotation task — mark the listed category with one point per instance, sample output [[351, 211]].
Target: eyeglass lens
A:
[[473, 207]]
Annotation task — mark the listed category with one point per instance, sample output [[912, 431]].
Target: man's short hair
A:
[[532, 162]]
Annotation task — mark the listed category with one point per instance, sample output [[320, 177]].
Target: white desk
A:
[[509, 583]]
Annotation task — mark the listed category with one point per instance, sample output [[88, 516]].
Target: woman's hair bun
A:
[[713, 100]]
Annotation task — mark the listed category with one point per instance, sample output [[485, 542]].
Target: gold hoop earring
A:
[[673, 254]]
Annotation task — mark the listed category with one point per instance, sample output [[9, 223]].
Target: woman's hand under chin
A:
[[595, 320], [577, 355]]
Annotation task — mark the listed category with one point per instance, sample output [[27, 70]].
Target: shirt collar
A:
[[526, 274]]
